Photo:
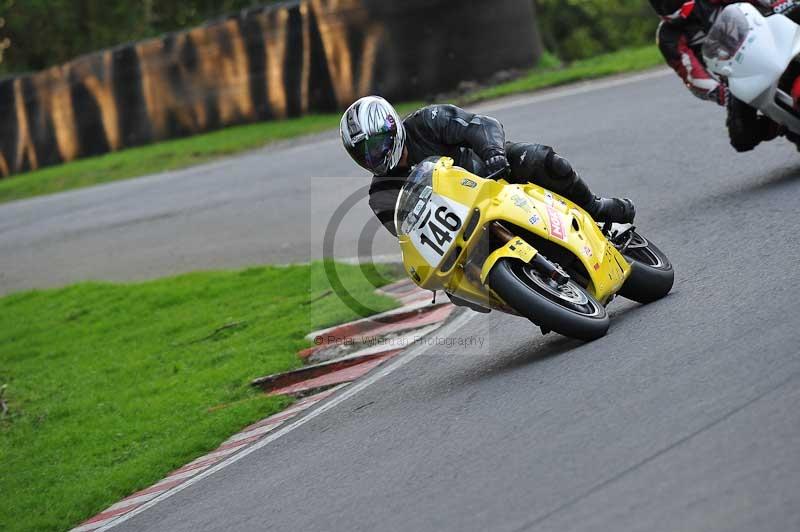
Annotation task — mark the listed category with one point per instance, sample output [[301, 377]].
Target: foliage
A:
[[75, 27], [577, 29], [572, 29]]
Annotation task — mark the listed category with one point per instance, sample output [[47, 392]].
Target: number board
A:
[[437, 227]]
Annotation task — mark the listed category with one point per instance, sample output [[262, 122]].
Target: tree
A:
[[575, 29], [42, 33]]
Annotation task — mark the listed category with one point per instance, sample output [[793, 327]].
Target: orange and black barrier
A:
[[261, 64]]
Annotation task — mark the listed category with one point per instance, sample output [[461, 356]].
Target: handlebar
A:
[[497, 173]]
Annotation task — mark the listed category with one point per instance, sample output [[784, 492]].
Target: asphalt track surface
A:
[[685, 417]]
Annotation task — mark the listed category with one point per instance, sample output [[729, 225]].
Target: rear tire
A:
[[652, 276], [568, 310]]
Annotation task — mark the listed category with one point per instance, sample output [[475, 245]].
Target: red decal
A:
[[687, 9], [556, 224], [683, 12], [596, 266], [796, 93]]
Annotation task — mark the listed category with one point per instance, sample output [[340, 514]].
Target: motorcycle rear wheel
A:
[[568, 310], [652, 276]]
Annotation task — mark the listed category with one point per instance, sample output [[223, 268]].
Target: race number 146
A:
[[438, 229]]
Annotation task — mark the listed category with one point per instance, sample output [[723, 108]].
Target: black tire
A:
[[574, 313], [742, 125], [652, 276]]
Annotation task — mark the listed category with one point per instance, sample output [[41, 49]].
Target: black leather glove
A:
[[497, 167]]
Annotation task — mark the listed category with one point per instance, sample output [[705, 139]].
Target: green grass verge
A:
[[160, 157], [164, 156], [111, 386], [551, 75], [180, 153]]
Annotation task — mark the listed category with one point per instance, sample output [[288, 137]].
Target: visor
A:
[[375, 152]]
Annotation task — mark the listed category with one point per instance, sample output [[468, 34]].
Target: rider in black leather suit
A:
[[477, 143]]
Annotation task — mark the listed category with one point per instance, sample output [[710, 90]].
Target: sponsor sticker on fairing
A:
[[780, 7], [521, 202], [557, 228], [533, 220]]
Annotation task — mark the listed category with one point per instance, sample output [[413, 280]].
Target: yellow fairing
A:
[[516, 248], [527, 207]]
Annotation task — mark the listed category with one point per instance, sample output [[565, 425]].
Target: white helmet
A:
[[373, 134]]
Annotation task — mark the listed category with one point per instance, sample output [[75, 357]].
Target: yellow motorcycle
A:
[[521, 249]]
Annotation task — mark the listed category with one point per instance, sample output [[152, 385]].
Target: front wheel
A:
[[742, 122], [652, 276], [567, 309]]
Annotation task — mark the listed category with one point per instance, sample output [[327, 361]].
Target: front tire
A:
[[742, 125], [652, 276], [568, 310]]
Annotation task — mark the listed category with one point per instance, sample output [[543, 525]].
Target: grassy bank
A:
[[596, 67], [180, 153], [111, 386], [160, 157]]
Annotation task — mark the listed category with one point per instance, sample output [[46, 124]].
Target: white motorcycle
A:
[[759, 59]]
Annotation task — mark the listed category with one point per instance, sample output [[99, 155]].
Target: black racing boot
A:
[[603, 210], [615, 210]]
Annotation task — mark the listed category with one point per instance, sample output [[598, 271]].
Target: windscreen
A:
[[414, 196], [726, 36]]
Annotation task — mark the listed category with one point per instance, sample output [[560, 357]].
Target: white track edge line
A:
[[348, 392], [573, 89]]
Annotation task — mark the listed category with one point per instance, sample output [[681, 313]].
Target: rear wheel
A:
[[567, 309], [652, 275]]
